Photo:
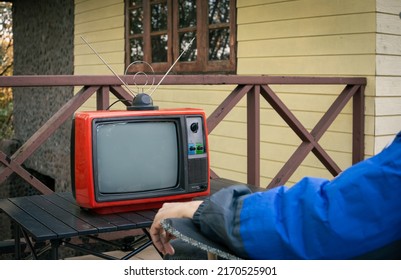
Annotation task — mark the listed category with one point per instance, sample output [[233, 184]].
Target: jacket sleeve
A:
[[356, 212], [219, 217]]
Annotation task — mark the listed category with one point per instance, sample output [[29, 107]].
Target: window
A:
[[157, 32]]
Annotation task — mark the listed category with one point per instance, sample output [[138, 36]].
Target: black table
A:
[[56, 218]]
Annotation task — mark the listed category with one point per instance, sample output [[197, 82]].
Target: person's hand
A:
[[161, 239]]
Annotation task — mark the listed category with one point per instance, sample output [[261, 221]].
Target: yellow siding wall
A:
[[388, 71], [311, 38], [287, 37], [101, 24]]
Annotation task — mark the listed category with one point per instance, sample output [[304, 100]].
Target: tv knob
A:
[[194, 127]]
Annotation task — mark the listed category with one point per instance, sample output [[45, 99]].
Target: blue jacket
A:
[[356, 212]]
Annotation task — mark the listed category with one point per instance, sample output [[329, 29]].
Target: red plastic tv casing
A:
[[84, 185]]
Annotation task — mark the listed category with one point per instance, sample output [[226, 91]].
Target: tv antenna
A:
[[141, 101], [108, 66], [171, 67], [141, 73]]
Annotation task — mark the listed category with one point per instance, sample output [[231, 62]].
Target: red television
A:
[[135, 160]]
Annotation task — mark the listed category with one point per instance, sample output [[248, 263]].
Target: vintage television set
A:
[[138, 159]]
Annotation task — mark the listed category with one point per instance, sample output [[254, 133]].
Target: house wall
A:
[[101, 24], [388, 72], [287, 37]]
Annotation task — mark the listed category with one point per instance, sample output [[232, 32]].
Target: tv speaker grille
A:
[[197, 171]]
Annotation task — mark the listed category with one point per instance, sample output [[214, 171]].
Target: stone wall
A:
[[43, 45]]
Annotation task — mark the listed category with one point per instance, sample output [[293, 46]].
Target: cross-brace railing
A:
[[252, 86]]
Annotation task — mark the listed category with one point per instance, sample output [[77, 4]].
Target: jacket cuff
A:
[[197, 215]]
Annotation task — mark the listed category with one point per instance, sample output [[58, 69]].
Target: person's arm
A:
[[160, 238], [225, 200], [355, 213], [218, 217]]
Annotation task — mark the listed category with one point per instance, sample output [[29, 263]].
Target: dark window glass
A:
[[187, 13], [219, 47], [158, 32], [136, 49], [136, 20], [159, 17], [159, 48], [185, 39], [219, 11]]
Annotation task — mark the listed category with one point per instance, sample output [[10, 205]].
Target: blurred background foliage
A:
[[6, 69]]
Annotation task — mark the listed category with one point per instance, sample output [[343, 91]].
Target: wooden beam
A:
[[253, 136], [43, 133]]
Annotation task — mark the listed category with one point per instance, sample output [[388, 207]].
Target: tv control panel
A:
[[196, 145]]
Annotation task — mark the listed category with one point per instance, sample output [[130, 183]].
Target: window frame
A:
[[202, 63]]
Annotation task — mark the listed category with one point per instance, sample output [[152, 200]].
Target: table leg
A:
[[17, 239], [55, 245], [29, 243]]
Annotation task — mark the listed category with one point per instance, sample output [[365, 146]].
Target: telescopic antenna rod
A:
[[171, 67], [108, 66]]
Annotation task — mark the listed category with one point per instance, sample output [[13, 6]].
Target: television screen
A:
[[136, 156]]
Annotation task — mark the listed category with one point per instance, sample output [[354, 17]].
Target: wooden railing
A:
[[251, 86]]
